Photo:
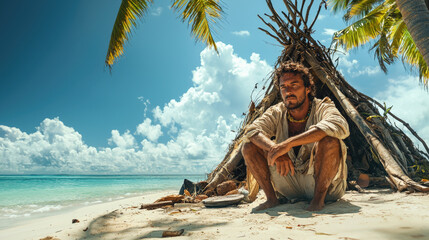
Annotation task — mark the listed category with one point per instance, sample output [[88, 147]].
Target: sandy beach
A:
[[375, 214]]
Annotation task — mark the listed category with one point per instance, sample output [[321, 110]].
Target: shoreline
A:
[[28, 198], [40, 227], [58, 208], [374, 214]]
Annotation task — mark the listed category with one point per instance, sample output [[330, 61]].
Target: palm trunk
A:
[[415, 14]]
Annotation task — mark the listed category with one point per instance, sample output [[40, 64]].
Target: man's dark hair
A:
[[296, 68]]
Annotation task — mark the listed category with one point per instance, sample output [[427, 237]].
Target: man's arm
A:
[[283, 163], [262, 141], [309, 136]]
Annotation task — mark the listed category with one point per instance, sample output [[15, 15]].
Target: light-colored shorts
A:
[[301, 185]]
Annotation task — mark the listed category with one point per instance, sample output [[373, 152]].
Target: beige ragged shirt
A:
[[324, 116]]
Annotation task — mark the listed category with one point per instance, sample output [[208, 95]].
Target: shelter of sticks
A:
[[375, 146]]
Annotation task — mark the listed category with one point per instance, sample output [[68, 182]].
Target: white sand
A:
[[61, 224], [377, 214]]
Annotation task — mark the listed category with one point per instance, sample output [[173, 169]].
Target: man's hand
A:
[[284, 165], [278, 150]]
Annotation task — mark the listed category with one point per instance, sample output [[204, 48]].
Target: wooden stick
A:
[[401, 121], [151, 206], [317, 14], [308, 10]]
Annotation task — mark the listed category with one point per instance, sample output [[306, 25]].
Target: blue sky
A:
[[169, 104]]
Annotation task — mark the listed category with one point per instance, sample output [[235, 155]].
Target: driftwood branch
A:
[[401, 121], [323, 3]]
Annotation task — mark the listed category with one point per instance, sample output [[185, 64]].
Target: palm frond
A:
[[396, 33], [380, 20], [339, 5], [363, 7], [201, 15], [129, 12], [383, 50], [411, 55], [361, 31]]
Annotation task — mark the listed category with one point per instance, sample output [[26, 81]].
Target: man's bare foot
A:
[[315, 206], [265, 205]]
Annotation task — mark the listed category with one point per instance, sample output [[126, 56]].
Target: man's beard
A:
[[297, 105]]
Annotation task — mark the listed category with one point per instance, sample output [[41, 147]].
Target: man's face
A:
[[293, 91]]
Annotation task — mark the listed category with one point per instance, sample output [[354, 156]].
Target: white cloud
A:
[[146, 104], [243, 33], [157, 11], [152, 132], [329, 31], [200, 125], [369, 70], [408, 99], [125, 141], [352, 67]]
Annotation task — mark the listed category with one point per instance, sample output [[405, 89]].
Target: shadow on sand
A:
[[299, 209], [97, 228], [403, 233]]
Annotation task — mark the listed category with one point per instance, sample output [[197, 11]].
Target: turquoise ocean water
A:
[[25, 197]]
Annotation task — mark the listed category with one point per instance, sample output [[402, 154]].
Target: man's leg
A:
[[257, 163], [326, 163]]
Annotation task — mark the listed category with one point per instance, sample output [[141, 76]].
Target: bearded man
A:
[[295, 148]]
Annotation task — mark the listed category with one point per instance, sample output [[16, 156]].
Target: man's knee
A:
[[248, 149], [327, 148], [329, 143]]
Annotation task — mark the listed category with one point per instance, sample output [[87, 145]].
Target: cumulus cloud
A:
[[352, 67], [408, 99], [329, 31], [125, 141], [157, 11], [199, 125], [243, 33], [151, 132]]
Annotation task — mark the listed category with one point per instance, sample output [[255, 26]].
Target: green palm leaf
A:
[[396, 34], [363, 7], [201, 15], [379, 20], [339, 5], [361, 31], [383, 49], [129, 12], [411, 55]]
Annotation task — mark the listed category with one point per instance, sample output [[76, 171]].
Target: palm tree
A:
[[200, 14], [386, 21]]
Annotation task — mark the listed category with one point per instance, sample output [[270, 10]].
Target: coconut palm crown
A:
[[380, 23], [201, 15]]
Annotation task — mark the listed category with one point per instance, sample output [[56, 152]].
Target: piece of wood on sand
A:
[[151, 206], [173, 233], [174, 198]]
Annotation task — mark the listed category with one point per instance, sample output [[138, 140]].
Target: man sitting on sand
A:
[[306, 158]]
